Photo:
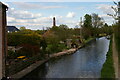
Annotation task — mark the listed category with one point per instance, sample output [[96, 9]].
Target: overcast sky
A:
[[36, 15]]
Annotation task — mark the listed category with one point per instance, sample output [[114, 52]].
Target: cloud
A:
[[70, 15], [29, 19], [26, 5], [10, 19], [22, 14], [107, 18], [106, 8], [32, 20]]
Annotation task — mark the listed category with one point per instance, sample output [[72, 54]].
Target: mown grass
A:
[[108, 68]]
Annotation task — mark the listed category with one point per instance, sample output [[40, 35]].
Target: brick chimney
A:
[[54, 22]]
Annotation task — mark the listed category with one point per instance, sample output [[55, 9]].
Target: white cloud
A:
[[36, 20], [25, 5], [106, 8], [107, 18], [22, 14], [29, 20], [70, 15], [10, 19]]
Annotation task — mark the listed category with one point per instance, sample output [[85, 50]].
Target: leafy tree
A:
[[88, 21], [62, 26], [87, 26]]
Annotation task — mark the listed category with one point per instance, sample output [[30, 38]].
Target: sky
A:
[[58, 0], [38, 14]]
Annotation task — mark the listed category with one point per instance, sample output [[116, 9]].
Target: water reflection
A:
[[85, 63]]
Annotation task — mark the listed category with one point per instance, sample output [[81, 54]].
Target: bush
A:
[[11, 54]]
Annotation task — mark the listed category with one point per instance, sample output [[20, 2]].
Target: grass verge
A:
[[108, 67]]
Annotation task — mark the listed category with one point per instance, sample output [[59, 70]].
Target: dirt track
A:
[[115, 57]]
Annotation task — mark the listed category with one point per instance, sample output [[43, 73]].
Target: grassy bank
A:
[[108, 68]]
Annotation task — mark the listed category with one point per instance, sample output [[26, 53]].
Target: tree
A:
[[106, 25], [18, 38], [116, 10], [87, 26], [116, 16], [63, 26], [97, 21], [88, 21], [22, 28], [43, 44]]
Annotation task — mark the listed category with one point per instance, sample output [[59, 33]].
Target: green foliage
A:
[[22, 28], [88, 21], [43, 44], [108, 69], [86, 33], [15, 39], [61, 32], [11, 55], [54, 48], [40, 32]]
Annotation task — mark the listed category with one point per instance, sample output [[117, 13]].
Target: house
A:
[[12, 29]]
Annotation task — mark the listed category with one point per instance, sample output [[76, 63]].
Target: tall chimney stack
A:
[[54, 22]]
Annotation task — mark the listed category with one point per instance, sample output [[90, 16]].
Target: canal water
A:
[[87, 62]]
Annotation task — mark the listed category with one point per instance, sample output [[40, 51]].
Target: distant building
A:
[[12, 29]]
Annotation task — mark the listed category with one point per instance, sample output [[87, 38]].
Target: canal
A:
[[87, 62]]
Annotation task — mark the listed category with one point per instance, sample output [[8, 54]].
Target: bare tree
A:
[[97, 21], [116, 16]]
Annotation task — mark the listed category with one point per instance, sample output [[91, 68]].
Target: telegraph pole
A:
[[3, 40]]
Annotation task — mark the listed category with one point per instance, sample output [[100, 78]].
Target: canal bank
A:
[[38, 63], [108, 70]]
